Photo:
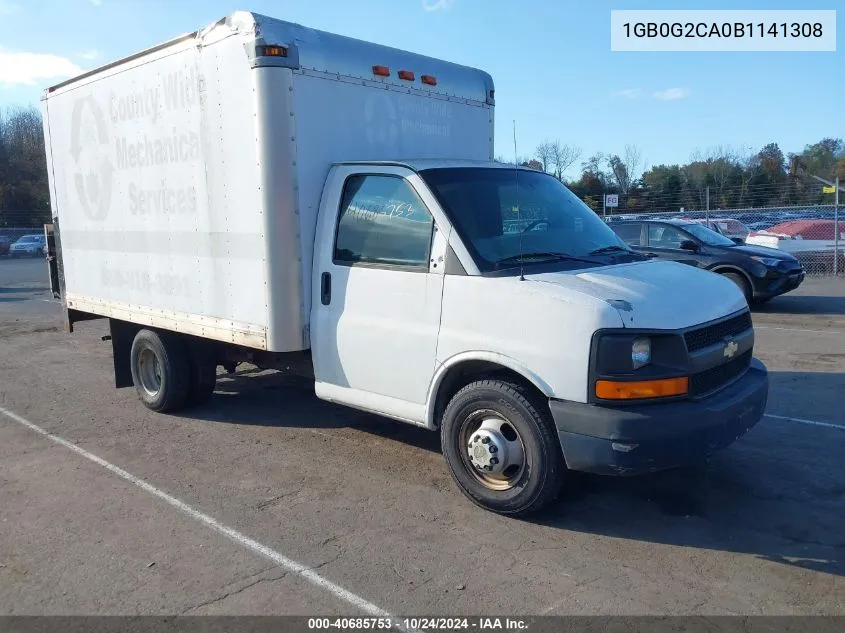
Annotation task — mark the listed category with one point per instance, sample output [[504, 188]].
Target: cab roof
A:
[[422, 164]]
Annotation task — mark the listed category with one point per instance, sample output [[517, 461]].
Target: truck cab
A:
[[533, 350]]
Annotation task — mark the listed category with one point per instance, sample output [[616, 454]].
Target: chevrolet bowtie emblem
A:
[[730, 349]]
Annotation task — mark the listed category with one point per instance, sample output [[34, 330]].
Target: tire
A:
[[743, 285], [161, 370], [203, 376], [499, 404]]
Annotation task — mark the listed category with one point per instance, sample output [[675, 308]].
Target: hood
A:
[[653, 294], [761, 251]]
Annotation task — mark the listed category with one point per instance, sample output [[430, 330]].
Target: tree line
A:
[[719, 177], [24, 192], [716, 178]]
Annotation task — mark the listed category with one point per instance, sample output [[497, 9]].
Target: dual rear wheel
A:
[[170, 372]]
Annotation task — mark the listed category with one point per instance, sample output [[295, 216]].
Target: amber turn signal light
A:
[[617, 390]]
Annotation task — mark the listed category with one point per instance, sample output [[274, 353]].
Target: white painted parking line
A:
[[829, 425], [792, 329], [241, 539]]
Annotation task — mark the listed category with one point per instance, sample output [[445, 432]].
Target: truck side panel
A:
[[157, 189]]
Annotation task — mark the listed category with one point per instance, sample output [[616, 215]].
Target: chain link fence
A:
[[813, 234]]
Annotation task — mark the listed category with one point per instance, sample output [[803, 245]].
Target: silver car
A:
[[28, 246]]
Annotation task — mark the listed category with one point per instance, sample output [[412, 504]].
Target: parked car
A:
[[760, 272], [729, 227], [759, 225], [5, 242], [28, 245]]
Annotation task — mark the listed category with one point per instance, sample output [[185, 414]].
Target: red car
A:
[[4, 245]]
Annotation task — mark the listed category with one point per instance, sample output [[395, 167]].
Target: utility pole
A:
[[797, 168], [836, 231], [707, 212]]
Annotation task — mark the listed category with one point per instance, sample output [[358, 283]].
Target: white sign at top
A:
[[611, 200]]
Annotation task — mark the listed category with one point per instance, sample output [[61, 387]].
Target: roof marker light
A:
[[406, 75], [429, 80], [381, 71], [272, 51]]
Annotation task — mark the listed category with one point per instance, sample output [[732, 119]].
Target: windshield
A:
[[708, 236], [498, 224]]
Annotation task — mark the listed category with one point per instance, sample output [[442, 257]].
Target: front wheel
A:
[[502, 448]]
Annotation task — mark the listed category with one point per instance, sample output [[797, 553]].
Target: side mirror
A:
[[738, 240], [689, 245]]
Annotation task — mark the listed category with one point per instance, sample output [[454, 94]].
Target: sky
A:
[[551, 62]]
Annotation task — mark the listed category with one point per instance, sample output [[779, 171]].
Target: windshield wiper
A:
[[613, 248], [544, 256]]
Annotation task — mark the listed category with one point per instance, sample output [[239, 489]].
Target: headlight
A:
[[768, 262], [640, 352]]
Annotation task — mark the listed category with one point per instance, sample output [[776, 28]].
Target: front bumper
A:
[[638, 439], [777, 283]]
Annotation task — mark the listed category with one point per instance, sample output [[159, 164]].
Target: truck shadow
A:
[[257, 398], [777, 494], [802, 304]]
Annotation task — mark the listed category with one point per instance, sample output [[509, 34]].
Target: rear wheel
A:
[[741, 283], [502, 448], [160, 370], [203, 376]]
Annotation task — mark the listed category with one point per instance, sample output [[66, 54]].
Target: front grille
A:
[[713, 378], [712, 334]]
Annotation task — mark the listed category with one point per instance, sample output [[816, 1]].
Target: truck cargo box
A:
[[185, 180]]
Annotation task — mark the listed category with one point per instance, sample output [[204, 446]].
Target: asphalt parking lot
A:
[[354, 512]]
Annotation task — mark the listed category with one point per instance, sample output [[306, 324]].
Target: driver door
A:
[[664, 242], [376, 314]]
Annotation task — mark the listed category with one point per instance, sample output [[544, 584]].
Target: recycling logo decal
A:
[[89, 148]]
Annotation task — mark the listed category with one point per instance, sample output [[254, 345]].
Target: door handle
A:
[[326, 288]]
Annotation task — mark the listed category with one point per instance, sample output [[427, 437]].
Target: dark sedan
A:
[[761, 273]]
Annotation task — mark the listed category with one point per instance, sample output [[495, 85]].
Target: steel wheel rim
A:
[[510, 449], [149, 371]]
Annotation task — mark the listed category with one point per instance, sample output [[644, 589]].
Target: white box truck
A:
[[262, 192]]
